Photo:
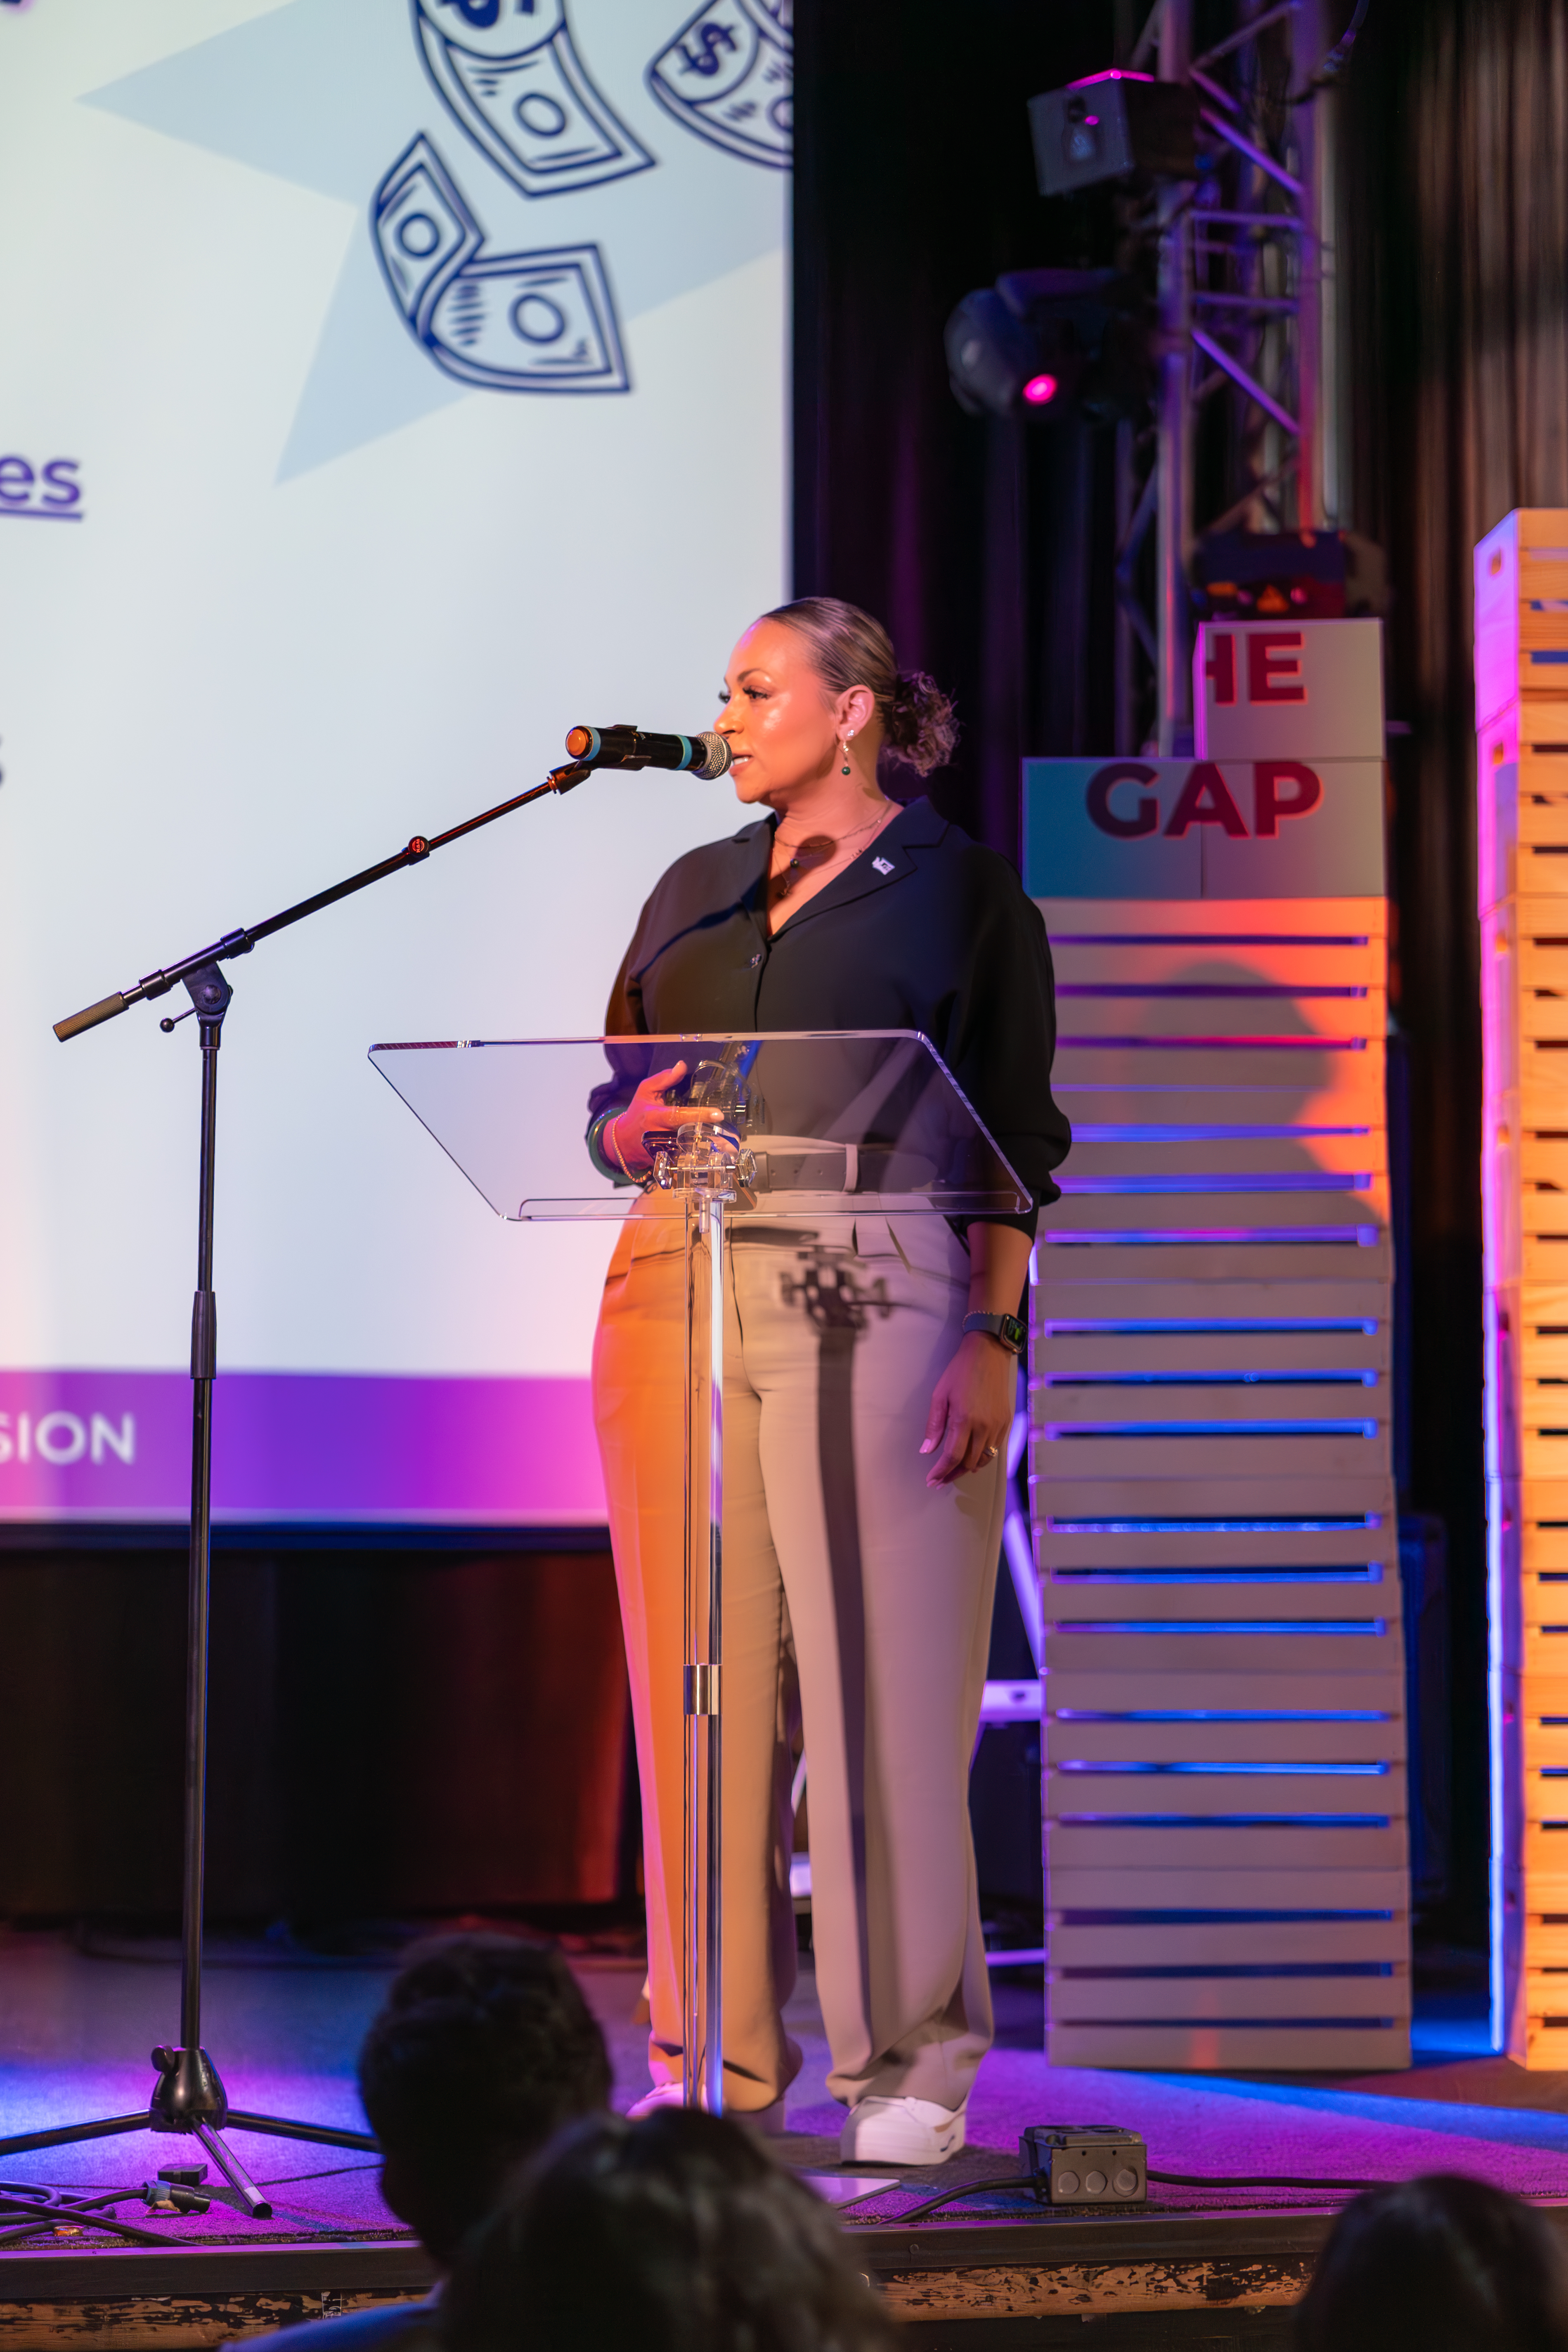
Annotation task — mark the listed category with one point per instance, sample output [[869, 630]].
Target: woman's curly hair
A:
[[849, 648]]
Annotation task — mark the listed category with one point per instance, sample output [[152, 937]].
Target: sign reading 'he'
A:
[[1264, 828], [1299, 690]]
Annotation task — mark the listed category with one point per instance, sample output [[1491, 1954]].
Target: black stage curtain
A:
[[1457, 115], [394, 1733], [915, 184], [983, 548]]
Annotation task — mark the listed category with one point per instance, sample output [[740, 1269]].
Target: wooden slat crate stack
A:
[[1521, 708], [1216, 1528]]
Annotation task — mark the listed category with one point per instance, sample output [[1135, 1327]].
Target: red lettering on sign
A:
[[1271, 662], [1205, 800], [1221, 667], [1269, 804], [1145, 816]]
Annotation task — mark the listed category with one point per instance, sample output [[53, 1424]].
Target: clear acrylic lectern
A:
[[758, 1131]]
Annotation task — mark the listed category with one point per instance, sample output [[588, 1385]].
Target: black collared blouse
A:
[[926, 930]]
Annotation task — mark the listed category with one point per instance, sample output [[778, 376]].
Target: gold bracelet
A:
[[616, 1146]]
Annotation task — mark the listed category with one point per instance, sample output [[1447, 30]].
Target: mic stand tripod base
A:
[[190, 2097], [169, 2113]]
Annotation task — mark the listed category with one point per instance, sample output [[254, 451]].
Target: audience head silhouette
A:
[[679, 2233], [1439, 2264], [484, 2048]]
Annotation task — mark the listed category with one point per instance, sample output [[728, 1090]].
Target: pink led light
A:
[[1039, 389]]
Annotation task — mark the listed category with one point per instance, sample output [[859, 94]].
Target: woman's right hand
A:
[[621, 1138]]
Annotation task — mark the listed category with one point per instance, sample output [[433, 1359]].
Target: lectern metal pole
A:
[[690, 1762], [713, 1990], [702, 2024]]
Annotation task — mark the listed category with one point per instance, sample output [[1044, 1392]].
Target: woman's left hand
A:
[[971, 1409]]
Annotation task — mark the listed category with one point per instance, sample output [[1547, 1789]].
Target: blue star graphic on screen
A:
[[336, 96]]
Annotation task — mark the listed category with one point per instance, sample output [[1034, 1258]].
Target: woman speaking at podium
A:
[[864, 1485]]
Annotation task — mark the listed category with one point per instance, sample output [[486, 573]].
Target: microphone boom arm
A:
[[240, 942], [188, 2095]]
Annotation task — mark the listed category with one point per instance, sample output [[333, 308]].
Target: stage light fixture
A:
[[1111, 126], [1051, 345], [992, 353], [1303, 575]]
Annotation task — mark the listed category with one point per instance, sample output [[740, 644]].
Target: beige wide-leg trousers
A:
[[857, 1603]]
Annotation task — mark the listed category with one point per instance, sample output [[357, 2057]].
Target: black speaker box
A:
[[1116, 124]]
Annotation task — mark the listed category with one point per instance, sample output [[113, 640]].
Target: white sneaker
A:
[[901, 2131], [663, 2095]]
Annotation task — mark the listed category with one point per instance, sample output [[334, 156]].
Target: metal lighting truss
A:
[[1247, 314]]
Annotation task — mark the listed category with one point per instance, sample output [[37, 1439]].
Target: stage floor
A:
[[77, 2030]]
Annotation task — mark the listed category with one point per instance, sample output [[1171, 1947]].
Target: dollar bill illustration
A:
[[423, 232], [728, 75], [539, 321], [510, 75]]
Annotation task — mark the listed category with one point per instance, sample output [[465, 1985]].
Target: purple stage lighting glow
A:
[[1039, 390], [1298, 1628]]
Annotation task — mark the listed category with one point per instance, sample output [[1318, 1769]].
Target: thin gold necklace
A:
[[880, 818], [781, 884]]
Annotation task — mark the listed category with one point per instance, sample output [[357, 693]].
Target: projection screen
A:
[[387, 387]]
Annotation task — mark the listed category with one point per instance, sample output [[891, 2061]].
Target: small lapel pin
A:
[[882, 865]]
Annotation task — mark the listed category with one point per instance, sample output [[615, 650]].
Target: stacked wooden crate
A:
[[1226, 1871], [1522, 710]]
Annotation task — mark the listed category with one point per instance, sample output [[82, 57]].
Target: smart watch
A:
[[1005, 1327]]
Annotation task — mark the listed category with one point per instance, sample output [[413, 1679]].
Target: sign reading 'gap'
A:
[[1279, 788], [1202, 828]]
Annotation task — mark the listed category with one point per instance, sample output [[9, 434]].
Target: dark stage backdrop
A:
[[1458, 122], [393, 1733], [914, 185]]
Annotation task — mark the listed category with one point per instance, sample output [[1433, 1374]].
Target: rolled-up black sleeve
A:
[[996, 1025]]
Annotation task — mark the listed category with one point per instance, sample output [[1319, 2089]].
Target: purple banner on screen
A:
[[302, 1447]]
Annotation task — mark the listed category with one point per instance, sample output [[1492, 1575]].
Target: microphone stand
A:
[[188, 2095]]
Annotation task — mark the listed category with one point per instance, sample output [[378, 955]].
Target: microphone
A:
[[705, 756]]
